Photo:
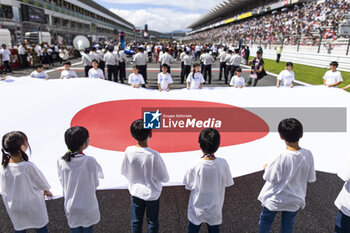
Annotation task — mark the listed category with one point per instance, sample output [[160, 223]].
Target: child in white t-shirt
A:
[[332, 78], [286, 77], [67, 72], [135, 79], [164, 79], [79, 175], [23, 186], [39, 73], [207, 179], [342, 202], [238, 80], [286, 179], [145, 170], [95, 72], [195, 80]]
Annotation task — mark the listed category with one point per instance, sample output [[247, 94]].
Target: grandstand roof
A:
[[106, 11], [226, 9]]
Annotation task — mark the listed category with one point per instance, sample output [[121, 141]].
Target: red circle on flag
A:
[[109, 124]]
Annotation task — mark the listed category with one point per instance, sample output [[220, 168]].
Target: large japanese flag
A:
[[246, 118]]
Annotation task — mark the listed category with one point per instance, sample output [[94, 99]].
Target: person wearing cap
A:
[[228, 65], [111, 60], [140, 60], [67, 72], [257, 70], [207, 61], [167, 59], [86, 59]]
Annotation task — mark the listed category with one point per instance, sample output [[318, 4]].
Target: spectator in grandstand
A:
[[342, 224], [207, 61], [95, 71], [140, 60], [238, 80], [332, 77], [39, 73], [187, 66], [222, 59], [167, 59], [164, 79], [67, 72], [278, 53], [86, 59], [135, 79], [145, 171], [111, 60], [195, 79], [257, 71], [286, 77], [286, 179], [23, 185], [207, 179], [5, 56], [79, 175]]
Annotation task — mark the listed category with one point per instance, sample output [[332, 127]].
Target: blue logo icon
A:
[[151, 120]]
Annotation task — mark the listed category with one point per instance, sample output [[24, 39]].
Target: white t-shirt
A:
[[145, 170], [79, 179], [5, 54], [70, 73], [343, 200], [207, 180], [196, 81], [22, 186], [286, 77], [136, 79], [237, 81], [332, 77], [164, 80], [96, 73], [36, 74], [286, 181]]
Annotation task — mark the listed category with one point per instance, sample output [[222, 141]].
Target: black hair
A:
[[111, 48], [187, 52], [86, 50], [135, 66], [94, 60], [194, 71], [290, 129], [11, 144], [39, 66], [334, 63], [229, 51], [236, 50], [238, 69], [75, 137], [209, 140], [165, 65], [259, 52], [138, 131], [289, 64], [67, 63]]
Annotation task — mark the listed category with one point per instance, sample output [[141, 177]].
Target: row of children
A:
[[207, 177]]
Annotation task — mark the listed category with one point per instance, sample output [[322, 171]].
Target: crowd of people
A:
[[206, 178], [307, 21]]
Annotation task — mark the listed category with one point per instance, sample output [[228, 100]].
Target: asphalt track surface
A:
[[241, 208]]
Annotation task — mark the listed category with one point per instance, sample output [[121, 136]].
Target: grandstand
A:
[[299, 23], [62, 19]]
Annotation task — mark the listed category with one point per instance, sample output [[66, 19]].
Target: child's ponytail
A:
[[5, 158], [75, 137]]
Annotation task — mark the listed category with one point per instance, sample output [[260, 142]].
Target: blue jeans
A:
[[195, 228], [267, 217], [41, 230], [138, 207], [82, 229], [342, 225]]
